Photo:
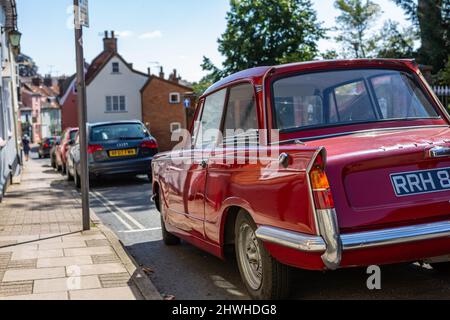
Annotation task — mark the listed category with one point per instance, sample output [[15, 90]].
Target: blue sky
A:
[[173, 33]]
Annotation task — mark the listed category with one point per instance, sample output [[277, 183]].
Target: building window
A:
[[174, 98], [115, 67], [175, 126], [116, 104]]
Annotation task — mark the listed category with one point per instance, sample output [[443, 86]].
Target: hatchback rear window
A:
[[119, 132], [347, 97]]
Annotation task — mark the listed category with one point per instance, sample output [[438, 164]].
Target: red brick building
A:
[[164, 109]]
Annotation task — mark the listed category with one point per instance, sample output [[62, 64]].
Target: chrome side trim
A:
[[329, 231], [386, 237], [293, 240]]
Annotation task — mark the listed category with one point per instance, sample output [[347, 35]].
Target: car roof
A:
[[257, 74], [106, 123]]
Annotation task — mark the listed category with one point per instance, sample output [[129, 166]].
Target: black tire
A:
[[443, 267], [69, 176], [77, 180], [168, 238], [273, 284]]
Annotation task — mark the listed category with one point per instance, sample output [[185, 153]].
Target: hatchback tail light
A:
[[149, 144], [93, 148], [323, 198]]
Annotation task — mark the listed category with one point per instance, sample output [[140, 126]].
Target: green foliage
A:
[[266, 32], [443, 77], [330, 55], [432, 17], [354, 23], [394, 42]]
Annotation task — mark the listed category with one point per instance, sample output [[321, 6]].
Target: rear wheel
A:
[[168, 238], [69, 176], [264, 277], [77, 180], [442, 267]]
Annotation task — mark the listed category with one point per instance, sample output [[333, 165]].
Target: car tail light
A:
[[149, 144], [320, 185], [93, 148]]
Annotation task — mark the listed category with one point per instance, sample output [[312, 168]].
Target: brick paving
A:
[[43, 253]]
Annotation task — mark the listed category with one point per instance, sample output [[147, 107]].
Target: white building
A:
[[113, 86], [9, 136]]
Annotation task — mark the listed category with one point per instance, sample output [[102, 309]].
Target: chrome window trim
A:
[[305, 139]]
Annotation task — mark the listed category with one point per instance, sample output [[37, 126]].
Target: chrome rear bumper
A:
[[332, 244]]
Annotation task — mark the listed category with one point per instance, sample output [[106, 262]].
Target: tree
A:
[[266, 32], [432, 17], [354, 23], [394, 43]]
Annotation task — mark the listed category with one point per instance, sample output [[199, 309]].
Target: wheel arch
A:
[[228, 221]]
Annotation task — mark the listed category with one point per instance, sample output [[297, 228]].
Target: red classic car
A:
[[336, 164]]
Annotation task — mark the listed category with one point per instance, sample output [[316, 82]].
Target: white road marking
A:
[[141, 230], [112, 205], [114, 213]]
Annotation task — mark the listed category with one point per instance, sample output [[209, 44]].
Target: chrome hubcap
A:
[[250, 257]]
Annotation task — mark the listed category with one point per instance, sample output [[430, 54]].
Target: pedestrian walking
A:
[[26, 147]]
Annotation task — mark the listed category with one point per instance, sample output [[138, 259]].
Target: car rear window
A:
[[347, 97], [73, 135], [118, 132]]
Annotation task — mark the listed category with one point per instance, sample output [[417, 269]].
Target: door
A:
[[187, 171], [230, 162]]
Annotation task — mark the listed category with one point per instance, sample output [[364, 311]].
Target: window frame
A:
[[178, 95], [229, 88], [119, 110], [113, 65], [415, 79]]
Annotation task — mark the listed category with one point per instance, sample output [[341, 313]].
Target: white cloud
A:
[[125, 34], [151, 35]]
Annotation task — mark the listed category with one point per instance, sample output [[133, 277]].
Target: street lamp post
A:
[[82, 118]]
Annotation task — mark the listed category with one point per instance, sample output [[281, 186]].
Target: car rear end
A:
[[380, 192], [46, 146], [120, 148]]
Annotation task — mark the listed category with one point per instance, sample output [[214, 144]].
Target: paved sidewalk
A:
[[43, 254]]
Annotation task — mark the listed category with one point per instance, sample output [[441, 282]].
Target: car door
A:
[[187, 176], [235, 159]]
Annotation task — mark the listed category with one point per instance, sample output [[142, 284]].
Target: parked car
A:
[[56, 143], [67, 138], [352, 168], [124, 147], [45, 147]]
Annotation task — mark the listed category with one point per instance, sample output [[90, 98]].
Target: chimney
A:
[[61, 82], [149, 71], [174, 77], [110, 43], [36, 81], [48, 81], [161, 73]]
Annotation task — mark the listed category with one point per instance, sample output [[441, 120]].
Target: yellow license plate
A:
[[123, 153]]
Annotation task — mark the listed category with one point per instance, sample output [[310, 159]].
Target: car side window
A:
[[211, 119], [241, 117]]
